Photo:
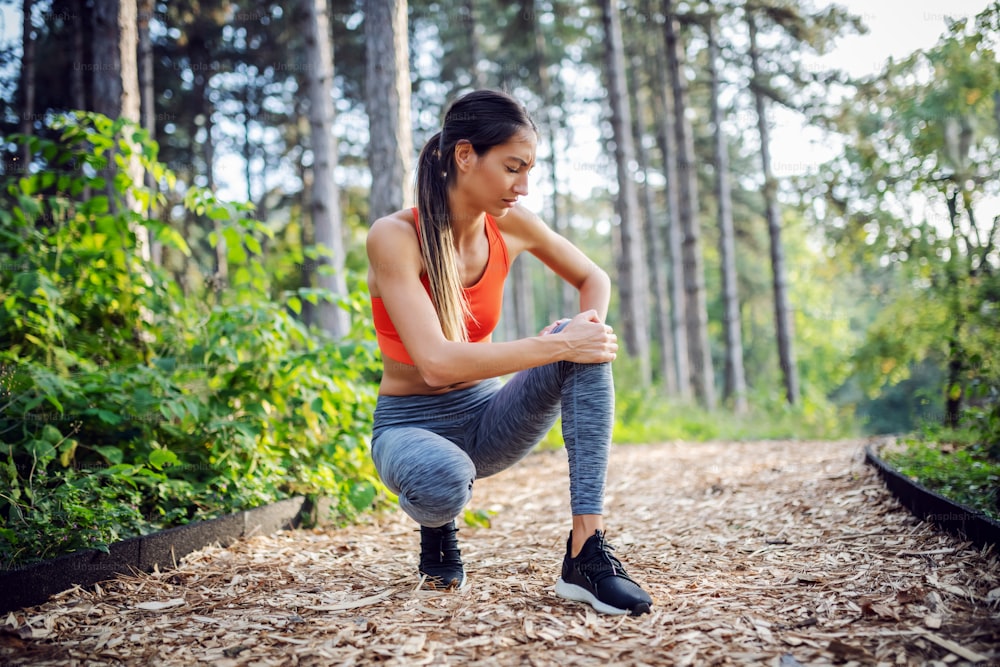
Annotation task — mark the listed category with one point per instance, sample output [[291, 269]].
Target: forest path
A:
[[775, 553]]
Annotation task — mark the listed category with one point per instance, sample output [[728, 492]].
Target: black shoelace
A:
[[602, 564]]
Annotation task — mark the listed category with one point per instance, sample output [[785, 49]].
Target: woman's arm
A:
[[524, 230], [395, 266]]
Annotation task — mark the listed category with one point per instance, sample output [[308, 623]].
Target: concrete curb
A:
[[36, 583]]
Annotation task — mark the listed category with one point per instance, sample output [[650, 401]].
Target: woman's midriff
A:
[[399, 379]]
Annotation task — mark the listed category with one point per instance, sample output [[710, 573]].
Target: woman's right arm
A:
[[394, 263]]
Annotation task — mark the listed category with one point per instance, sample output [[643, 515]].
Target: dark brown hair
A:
[[484, 118]]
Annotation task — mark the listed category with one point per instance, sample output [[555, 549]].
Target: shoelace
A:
[[603, 564]]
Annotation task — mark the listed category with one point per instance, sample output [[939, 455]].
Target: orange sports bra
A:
[[485, 299]]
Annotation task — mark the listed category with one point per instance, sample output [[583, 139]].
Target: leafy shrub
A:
[[127, 406], [956, 464]]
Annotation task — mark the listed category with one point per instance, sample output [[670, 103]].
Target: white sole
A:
[[578, 594]]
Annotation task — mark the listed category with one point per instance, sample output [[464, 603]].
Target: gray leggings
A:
[[430, 449]]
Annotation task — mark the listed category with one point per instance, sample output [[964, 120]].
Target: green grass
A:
[[647, 416]]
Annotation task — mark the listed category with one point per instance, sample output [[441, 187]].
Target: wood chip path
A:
[[762, 553]]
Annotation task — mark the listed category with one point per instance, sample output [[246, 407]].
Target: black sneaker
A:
[[440, 559], [599, 579]]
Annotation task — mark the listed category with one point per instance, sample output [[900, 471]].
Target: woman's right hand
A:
[[588, 339]]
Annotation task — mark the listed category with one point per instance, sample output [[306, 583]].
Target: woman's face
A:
[[495, 180]]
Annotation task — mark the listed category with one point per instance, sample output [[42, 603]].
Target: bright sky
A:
[[896, 28]]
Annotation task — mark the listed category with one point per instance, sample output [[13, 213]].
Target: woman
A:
[[443, 417]]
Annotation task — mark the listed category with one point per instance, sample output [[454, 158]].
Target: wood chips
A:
[[765, 553]]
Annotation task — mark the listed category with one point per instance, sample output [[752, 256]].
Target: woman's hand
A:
[[589, 340], [547, 330]]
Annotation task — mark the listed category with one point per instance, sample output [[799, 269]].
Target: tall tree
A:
[[666, 139], [147, 100], [735, 388], [633, 286], [387, 93], [924, 130], [27, 79], [782, 309], [699, 351], [661, 331], [325, 200], [115, 81]]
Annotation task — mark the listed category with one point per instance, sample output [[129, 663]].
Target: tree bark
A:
[[666, 139], [782, 314], [735, 389], [78, 87], [699, 352], [475, 50], [115, 82], [656, 269], [325, 200], [27, 82], [632, 284], [147, 103], [387, 93]]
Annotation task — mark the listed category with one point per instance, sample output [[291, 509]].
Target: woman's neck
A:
[[466, 221]]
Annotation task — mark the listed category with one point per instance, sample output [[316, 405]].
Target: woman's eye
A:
[[512, 171]]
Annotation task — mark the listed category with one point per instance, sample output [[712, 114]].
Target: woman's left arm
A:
[[523, 230]]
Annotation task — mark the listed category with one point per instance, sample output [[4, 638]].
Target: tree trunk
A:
[[782, 314], [78, 87], [147, 104], [325, 200], [632, 284], [27, 82], [568, 300], [654, 247], [735, 389], [475, 50], [954, 389], [387, 93], [666, 140], [699, 352], [115, 82]]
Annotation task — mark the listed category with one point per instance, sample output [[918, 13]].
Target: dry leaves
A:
[[777, 553]]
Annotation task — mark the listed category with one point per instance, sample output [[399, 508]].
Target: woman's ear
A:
[[465, 155]]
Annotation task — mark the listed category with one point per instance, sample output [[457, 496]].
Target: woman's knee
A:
[[439, 493]]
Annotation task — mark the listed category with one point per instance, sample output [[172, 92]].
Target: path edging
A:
[[35, 583], [953, 517]]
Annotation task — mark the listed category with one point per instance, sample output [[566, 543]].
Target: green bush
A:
[[958, 464], [125, 405]]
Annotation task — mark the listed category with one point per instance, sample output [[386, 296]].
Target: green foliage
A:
[[956, 464], [126, 406]]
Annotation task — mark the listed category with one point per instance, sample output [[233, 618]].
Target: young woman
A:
[[443, 417]]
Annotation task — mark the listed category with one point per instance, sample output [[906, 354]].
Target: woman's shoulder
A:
[[393, 227], [401, 219]]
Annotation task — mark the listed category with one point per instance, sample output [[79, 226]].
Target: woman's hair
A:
[[484, 118]]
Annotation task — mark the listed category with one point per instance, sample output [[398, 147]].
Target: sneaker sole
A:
[[580, 594]]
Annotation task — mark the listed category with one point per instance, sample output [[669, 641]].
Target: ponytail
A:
[[485, 119], [437, 247]]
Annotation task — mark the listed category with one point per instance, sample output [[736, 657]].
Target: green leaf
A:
[[114, 455], [51, 434], [480, 518], [253, 245], [158, 458]]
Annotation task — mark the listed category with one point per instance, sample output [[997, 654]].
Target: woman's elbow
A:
[[434, 372]]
